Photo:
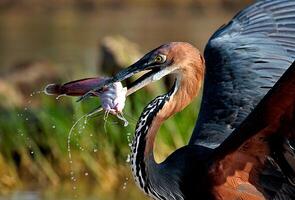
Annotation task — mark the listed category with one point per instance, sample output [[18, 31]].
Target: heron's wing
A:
[[258, 159], [244, 59]]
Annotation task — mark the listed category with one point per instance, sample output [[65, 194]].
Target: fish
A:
[[112, 97]]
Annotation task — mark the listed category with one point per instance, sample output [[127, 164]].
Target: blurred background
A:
[[60, 40]]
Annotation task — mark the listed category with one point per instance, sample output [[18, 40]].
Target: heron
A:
[[243, 144]]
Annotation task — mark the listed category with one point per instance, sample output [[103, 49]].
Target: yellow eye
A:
[[159, 59]]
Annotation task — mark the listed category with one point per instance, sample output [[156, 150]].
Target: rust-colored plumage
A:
[[236, 174]]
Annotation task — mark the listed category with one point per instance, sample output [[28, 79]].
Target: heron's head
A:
[[178, 58]]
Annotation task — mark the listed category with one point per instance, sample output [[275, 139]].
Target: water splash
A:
[[121, 117], [105, 118], [106, 114], [70, 135], [25, 115], [129, 140], [131, 119], [27, 141], [28, 106], [128, 158], [37, 92], [59, 96], [73, 177], [125, 183]]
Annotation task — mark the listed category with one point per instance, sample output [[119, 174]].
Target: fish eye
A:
[[160, 58]]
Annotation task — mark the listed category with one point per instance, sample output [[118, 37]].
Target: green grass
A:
[[33, 145]]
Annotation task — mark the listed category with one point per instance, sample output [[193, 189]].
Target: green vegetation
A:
[[34, 154]]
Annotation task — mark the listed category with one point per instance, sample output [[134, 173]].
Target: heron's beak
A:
[[154, 73]]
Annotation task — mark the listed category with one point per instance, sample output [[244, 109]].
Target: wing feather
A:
[[262, 148], [244, 59]]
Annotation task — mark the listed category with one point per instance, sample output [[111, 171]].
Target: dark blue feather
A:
[[244, 59]]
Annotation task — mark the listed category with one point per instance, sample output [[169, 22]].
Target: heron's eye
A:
[[160, 59]]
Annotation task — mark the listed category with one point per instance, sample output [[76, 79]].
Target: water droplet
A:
[[128, 159], [32, 152], [94, 150], [86, 173], [91, 135], [59, 96], [27, 119], [125, 185], [53, 126], [81, 148], [121, 117], [71, 132]]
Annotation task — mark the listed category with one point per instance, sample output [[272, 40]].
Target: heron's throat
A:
[[154, 114], [187, 86]]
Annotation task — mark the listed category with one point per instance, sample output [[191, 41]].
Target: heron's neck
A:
[[147, 126], [185, 88]]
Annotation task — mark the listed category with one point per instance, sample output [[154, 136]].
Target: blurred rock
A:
[[116, 53], [10, 96], [21, 80], [31, 76]]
